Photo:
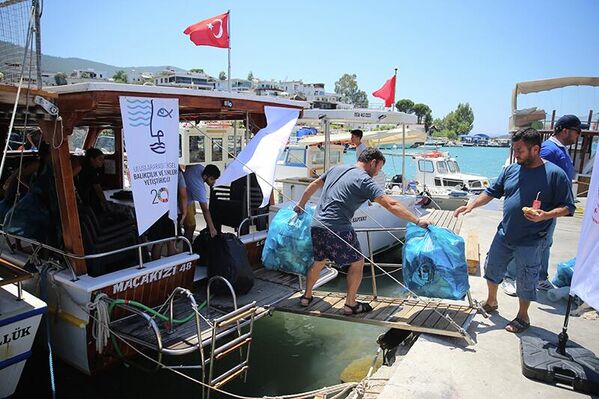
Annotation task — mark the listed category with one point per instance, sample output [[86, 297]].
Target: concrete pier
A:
[[438, 367]]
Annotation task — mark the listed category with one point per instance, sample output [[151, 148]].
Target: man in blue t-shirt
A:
[[522, 234], [344, 189], [566, 132]]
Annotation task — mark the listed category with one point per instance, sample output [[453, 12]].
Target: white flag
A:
[[151, 130], [585, 281], [261, 153]]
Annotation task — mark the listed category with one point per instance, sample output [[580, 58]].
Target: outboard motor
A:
[[396, 181]]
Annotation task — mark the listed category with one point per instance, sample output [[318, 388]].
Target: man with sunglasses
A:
[[565, 133]]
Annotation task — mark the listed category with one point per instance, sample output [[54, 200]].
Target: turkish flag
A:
[[387, 92], [210, 32]]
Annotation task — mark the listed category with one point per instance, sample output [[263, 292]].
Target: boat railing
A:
[[369, 230], [249, 219], [68, 256]]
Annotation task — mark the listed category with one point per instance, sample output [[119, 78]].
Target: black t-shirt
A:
[[84, 183]]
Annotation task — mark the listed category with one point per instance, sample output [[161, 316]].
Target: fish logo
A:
[[163, 113]]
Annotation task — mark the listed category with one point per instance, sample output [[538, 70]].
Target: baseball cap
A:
[[569, 122]]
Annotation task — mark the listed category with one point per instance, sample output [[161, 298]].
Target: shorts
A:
[[526, 258], [326, 245], [162, 228], [190, 218]]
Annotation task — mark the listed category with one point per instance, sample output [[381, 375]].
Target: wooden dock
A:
[[405, 314], [445, 219]]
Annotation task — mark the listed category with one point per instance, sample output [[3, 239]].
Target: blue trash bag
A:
[[288, 245], [563, 276], [434, 263]]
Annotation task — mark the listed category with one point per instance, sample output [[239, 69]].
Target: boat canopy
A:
[[535, 86], [360, 115]]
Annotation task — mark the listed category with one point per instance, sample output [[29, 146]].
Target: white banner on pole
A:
[[151, 131], [585, 281], [261, 153]]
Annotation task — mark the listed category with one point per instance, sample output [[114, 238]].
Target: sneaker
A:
[[508, 286], [544, 285]]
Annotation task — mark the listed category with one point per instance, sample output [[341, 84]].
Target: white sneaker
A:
[[544, 285], [508, 286]]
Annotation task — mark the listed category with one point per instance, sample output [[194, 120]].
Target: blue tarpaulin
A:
[[434, 263]]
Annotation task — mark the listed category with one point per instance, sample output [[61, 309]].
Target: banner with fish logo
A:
[[151, 132]]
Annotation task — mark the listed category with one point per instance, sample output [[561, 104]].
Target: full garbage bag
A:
[[288, 245], [434, 263], [563, 275]]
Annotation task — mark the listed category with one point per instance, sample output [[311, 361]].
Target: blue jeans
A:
[[544, 271], [526, 258]]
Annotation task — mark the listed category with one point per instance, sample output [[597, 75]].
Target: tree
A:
[[421, 110], [222, 75], [250, 76], [60, 79], [347, 86], [120, 77], [405, 105], [461, 120], [196, 70]]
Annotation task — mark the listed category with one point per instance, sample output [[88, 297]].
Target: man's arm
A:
[[310, 190], [183, 201], [482, 199], [542, 215], [208, 219], [396, 208], [100, 194]]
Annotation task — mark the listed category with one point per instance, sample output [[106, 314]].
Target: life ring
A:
[[433, 154]]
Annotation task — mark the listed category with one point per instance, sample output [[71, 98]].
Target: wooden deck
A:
[[445, 219], [405, 314]]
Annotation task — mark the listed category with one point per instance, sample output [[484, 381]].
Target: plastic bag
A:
[[434, 263], [563, 276], [288, 245]]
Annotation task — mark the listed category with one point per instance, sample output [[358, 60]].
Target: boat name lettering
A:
[[137, 281], [19, 333], [362, 115], [358, 219]]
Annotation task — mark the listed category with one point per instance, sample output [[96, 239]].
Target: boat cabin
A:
[[437, 171]]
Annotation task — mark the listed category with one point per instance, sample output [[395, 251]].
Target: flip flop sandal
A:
[[518, 325], [359, 307], [307, 300], [489, 308]]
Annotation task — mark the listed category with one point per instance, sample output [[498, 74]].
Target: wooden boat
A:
[[83, 278]]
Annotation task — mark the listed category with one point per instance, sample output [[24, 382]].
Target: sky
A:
[[447, 51]]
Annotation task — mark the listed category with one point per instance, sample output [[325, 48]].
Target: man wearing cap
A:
[[566, 132]]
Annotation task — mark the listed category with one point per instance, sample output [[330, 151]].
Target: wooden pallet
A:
[[445, 219], [405, 314]]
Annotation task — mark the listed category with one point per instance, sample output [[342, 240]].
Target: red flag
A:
[[387, 92], [210, 32]]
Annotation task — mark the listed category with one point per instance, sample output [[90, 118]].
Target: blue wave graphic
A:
[[139, 113], [139, 124], [141, 118], [138, 101], [139, 107]]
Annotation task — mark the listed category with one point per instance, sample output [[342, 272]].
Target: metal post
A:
[[371, 256], [403, 159], [141, 259], [235, 139], [229, 49], [248, 180], [38, 43], [327, 144]]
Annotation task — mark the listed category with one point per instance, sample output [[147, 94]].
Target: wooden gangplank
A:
[[443, 218], [405, 314]]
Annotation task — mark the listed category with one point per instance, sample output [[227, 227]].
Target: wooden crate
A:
[[472, 252]]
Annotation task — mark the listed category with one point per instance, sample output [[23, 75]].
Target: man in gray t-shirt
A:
[[344, 189]]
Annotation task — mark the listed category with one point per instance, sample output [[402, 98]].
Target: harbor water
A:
[[290, 353]]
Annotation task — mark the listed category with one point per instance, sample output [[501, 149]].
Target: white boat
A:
[[20, 315]]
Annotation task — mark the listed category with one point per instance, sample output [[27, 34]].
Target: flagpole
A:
[[229, 50], [394, 91]]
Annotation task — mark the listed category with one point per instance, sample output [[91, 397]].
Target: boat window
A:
[[77, 139], [425, 166], [296, 157], [197, 152], [441, 167], [453, 166], [217, 149], [231, 149], [105, 141], [317, 158], [335, 157]]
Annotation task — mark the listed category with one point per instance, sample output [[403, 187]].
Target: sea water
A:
[[290, 353]]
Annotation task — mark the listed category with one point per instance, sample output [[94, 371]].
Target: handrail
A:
[[378, 229], [68, 255], [248, 219]]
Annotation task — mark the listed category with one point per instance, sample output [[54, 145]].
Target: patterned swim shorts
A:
[[327, 245]]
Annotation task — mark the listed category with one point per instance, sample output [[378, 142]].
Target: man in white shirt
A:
[[356, 139]]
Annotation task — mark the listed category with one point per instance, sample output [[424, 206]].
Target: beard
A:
[[524, 161]]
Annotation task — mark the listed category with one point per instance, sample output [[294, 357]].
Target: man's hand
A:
[[462, 210], [213, 232], [539, 216], [423, 223], [299, 209]]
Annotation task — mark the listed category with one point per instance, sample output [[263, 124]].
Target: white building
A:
[[191, 80], [238, 85]]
